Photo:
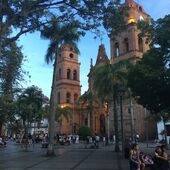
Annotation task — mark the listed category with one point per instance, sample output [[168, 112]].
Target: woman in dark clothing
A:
[[134, 158]]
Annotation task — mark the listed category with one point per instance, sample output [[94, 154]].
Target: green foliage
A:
[[89, 99], [65, 112], [29, 16], [114, 18], [30, 105], [11, 75], [84, 131], [59, 34], [156, 33], [8, 110], [11, 72], [149, 79], [108, 79]]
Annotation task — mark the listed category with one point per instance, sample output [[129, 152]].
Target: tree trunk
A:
[[53, 99], [117, 149], [91, 120]]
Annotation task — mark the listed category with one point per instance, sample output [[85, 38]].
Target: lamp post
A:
[[121, 92]]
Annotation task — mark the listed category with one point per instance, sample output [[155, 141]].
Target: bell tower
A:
[[128, 45], [68, 84]]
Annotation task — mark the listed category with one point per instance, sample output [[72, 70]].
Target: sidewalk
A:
[[73, 157]]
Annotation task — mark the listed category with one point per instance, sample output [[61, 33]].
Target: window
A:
[[126, 44], [71, 55], [58, 98], [75, 96], [74, 75], [86, 121], [68, 97], [59, 73], [117, 52], [140, 44], [140, 9], [68, 74]]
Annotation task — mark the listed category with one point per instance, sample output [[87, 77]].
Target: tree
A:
[[89, 99], [7, 111], [11, 72], [58, 36], [149, 82], [107, 81], [11, 75], [156, 33], [149, 79], [62, 112], [29, 16], [84, 132], [30, 106]]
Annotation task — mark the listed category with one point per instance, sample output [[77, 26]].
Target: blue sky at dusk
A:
[[35, 48]]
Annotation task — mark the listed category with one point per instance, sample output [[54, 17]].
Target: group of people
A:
[[138, 160]]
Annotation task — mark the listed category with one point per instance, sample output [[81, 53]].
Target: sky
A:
[[35, 48]]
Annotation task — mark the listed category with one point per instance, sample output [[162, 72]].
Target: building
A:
[[68, 87], [128, 45]]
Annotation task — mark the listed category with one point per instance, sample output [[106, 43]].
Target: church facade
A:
[[128, 45]]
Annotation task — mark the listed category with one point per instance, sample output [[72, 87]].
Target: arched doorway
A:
[[102, 125]]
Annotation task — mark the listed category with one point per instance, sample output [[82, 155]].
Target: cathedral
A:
[[126, 46]]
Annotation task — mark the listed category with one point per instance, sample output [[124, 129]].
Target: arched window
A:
[[140, 8], [59, 73], [126, 43], [117, 51], [75, 96], [140, 44], [68, 97], [71, 55], [58, 98], [68, 74], [74, 75], [102, 124], [86, 121]]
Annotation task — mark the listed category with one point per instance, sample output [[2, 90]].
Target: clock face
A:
[[141, 17]]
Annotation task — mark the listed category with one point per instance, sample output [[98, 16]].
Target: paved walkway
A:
[[73, 157]]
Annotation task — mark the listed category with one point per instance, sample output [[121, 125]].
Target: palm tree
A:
[[89, 99], [58, 35], [108, 79], [63, 112]]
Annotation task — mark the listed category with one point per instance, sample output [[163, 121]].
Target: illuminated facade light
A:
[[131, 20]]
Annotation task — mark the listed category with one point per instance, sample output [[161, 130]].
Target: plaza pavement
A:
[[72, 157]]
